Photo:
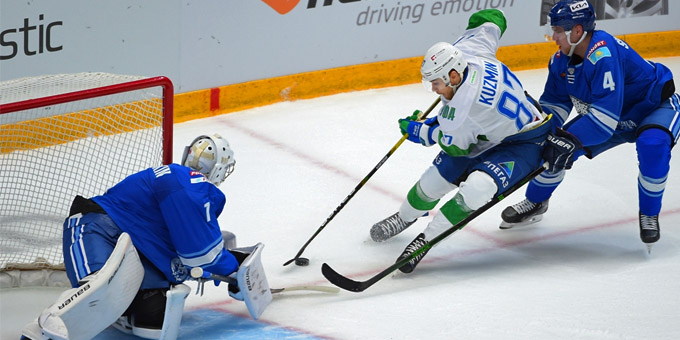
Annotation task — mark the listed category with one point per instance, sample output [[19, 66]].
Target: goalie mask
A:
[[439, 60], [211, 156]]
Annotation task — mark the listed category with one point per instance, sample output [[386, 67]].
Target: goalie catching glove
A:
[[419, 132], [560, 150]]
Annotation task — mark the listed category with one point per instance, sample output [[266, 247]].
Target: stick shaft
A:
[[202, 274], [360, 185], [358, 286]]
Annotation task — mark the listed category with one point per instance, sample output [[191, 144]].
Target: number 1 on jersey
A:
[[207, 211]]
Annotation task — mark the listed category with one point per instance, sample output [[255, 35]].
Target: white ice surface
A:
[[581, 273]]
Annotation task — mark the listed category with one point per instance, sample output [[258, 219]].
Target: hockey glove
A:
[[404, 122], [419, 132], [560, 149]]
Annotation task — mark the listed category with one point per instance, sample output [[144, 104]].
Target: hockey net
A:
[[67, 135]]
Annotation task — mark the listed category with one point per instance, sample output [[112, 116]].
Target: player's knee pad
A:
[[478, 189], [654, 152], [433, 185]]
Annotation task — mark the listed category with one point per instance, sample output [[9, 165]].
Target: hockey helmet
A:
[[569, 13], [439, 60], [211, 156]]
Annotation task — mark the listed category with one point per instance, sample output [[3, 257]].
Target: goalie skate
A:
[[523, 213]]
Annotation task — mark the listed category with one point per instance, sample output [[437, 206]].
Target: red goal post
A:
[[66, 135]]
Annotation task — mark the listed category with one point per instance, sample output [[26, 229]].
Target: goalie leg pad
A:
[[253, 284], [83, 312]]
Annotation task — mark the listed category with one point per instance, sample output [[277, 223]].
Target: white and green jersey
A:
[[489, 105]]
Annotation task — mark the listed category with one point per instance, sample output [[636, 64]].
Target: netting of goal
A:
[[66, 135]]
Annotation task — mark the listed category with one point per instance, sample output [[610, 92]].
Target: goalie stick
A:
[[359, 286], [202, 276], [360, 185]]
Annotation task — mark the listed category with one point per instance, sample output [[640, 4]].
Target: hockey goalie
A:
[[127, 252]]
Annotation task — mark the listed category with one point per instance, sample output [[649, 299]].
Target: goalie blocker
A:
[[253, 287]]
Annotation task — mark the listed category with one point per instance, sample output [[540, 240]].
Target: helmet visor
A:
[[558, 34], [432, 86]]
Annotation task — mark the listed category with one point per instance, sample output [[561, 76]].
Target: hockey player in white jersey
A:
[[491, 134], [127, 252], [619, 97]]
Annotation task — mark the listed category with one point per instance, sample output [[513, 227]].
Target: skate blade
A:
[[505, 225], [649, 248]]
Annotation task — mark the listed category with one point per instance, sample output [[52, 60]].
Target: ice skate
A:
[[649, 230], [523, 213], [416, 244], [389, 227]]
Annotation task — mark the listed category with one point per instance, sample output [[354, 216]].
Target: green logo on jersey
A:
[[447, 112], [508, 167]]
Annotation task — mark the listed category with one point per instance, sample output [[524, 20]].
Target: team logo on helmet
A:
[[579, 6]]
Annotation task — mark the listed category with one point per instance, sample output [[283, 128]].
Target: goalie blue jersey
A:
[[170, 213], [613, 89]]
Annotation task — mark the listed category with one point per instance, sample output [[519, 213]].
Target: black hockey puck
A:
[[302, 261]]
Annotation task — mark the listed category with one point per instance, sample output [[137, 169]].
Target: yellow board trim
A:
[[238, 97], [69, 127]]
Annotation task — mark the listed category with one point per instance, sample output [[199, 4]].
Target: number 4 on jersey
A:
[[608, 81]]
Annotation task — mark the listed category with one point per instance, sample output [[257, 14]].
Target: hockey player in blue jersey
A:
[[619, 98], [169, 216]]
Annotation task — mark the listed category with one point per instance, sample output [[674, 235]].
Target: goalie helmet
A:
[[211, 156], [569, 13], [439, 60]]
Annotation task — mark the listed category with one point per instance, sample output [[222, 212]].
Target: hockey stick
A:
[[359, 186], [201, 275], [359, 286]]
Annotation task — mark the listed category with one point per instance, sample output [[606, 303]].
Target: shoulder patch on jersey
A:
[[596, 46], [473, 77], [161, 170], [598, 51], [197, 177]]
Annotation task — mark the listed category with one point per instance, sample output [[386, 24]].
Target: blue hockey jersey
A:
[[613, 89], [170, 213]]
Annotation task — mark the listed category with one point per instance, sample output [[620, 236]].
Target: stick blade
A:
[[341, 281]]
